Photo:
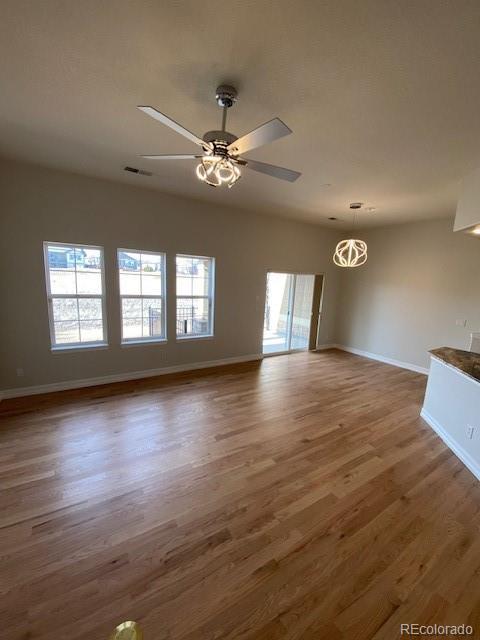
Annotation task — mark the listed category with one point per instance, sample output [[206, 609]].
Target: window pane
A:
[[151, 284], [184, 265], [199, 286], [129, 262], [130, 284], [91, 331], [66, 332], [90, 308], [151, 305], [151, 263], [89, 282], [184, 285], [61, 257], [131, 308], [131, 328], [63, 281], [193, 316], [64, 309], [152, 317], [152, 326], [91, 259], [80, 255], [201, 267]]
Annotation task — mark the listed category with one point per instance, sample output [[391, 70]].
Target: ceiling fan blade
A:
[[272, 170], [263, 134], [161, 117], [173, 157]]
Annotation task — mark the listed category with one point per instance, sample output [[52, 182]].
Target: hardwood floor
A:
[[302, 497]]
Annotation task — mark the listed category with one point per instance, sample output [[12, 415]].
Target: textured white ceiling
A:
[[383, 96]]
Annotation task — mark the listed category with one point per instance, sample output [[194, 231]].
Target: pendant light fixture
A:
[[351, 252]]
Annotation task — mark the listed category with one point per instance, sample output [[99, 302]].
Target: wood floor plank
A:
[[294, 499]]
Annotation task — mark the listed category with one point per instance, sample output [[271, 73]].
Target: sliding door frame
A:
[[318, 277]]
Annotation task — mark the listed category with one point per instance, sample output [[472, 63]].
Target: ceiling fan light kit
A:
[[221, 159], [217, 171], [352, 252]]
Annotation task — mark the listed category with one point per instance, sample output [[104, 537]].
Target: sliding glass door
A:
[[301, 311], [276, 326], [288, 312]]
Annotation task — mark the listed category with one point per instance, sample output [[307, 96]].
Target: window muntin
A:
[[75, 293], [142, 295], [195, 291]]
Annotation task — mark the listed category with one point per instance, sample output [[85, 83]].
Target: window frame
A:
[[210, 298], [66, 346], [163, 296]]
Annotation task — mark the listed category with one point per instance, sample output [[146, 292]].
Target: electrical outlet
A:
[[470, 432], [20, 372]]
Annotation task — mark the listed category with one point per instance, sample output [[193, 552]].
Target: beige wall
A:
[[39, 204], [419, 280]]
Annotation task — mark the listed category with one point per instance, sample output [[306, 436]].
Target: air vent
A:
[[140, 172]]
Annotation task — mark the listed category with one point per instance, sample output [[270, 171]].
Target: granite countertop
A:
[[467, 362]]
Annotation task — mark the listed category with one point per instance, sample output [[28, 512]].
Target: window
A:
[[75, 290], [195, 278], [142, 295]]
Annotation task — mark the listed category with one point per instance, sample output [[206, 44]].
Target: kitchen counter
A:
[[467, 362], [452, 402]]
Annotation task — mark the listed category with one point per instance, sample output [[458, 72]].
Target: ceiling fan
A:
[[220, 160]]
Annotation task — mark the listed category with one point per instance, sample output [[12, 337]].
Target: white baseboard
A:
[[122, 377], [376, 356], [459, 451], [322, 347]]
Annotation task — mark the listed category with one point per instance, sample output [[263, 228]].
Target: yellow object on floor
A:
[[127, 631]]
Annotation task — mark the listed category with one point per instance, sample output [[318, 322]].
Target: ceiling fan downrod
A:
[[226, 97]]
